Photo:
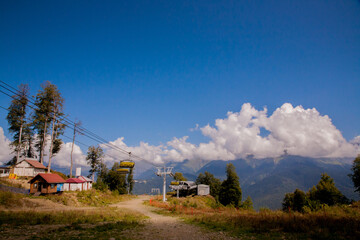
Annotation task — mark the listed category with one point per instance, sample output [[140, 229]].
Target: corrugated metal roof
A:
[[85, 179], [35, 163], [49, 178], [74, 180]]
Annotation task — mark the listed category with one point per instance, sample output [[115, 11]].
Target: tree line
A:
[[323, 194]]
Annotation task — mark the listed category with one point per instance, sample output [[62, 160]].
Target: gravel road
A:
[[165, 227]]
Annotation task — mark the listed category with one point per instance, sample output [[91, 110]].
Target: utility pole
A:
[[76, 125], [52, 140], [162, 172], [19, 144]]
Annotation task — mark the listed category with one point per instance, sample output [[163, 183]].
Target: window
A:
[[52, 185], [35, 185]]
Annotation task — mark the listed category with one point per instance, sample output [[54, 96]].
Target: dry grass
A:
[[68, 217], [342, 222], [92, 198]]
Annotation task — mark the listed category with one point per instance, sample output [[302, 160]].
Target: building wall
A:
[[45, 187], [25, 169], [74, 186]]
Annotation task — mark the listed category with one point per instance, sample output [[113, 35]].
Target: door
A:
[[60, 187]]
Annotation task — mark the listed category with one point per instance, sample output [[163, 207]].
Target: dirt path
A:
[[165, 227]]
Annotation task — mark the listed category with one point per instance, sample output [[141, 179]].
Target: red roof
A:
[[74, 180], [49, 178], [35, 163], [85, 179]]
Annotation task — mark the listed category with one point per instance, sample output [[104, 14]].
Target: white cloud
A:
[[5, 151], [355, 141], [297, 130], [62, 159], [144, 150]]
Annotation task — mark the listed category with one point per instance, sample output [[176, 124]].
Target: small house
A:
[[29, 168], [74, 184], [87, 182], [45, 183], [4, 171]]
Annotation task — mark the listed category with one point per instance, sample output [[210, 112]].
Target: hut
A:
[[4, 171], [87, 182], [74, 184], [45, 183], [29, 167]]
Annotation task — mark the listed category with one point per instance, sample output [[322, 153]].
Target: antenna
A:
[[162, 172]]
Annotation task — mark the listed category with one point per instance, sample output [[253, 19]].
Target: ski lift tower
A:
[[162, 172]]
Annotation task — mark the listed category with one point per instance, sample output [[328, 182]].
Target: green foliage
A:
[[230, 191], [294, 201], [247, 204], [49, 107], [115, 180], [209, 179], [18, 126], [324, 193], [178, 176], [94, 159], [355, 176]]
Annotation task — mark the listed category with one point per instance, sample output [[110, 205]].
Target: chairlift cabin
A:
[[127, 163], [123, 170]]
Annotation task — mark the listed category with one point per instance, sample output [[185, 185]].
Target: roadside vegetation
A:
[[75, 224], [335, 222], [76, 215]]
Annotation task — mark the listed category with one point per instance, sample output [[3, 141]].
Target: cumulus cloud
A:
[[5, 151], [296, 130], [62, 159], [356, 141], [250, 131], [144, 150]]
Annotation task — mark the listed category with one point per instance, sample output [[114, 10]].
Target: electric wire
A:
[[69, 123]]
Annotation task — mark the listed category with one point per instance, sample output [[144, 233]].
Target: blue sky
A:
[[150, 70]]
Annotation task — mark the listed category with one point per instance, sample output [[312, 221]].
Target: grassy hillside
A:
[[340, 222]]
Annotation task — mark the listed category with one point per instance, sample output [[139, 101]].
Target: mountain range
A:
[[265, 180]]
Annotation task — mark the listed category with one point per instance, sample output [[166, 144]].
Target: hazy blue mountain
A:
[[265, 180]]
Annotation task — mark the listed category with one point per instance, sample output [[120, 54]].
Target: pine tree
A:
[[49, 108], [247, 204], [325, 192], [355, 176], [17, 121], [230, 191]]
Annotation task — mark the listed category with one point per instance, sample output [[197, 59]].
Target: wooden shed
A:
[[45, 183], [29, 167]]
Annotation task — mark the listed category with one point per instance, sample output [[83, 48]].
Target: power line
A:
[[4, 108], [68, 122]]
